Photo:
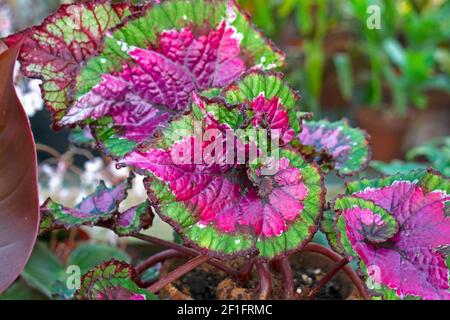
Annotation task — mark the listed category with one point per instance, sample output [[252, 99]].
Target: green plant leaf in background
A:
[[43, 270], [437, 152], [396, 166], [344, 71], [21, 291], [88, 255], [46, 273]]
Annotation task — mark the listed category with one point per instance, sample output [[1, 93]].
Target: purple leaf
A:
[[346, 149], [137, 84], [98, 207], [269, 101], [409, 256], [142, 98], [19, 202], [134, 219]]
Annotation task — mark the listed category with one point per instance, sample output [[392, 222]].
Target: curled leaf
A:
[[346, 149], [112, 280], [19, 202], [134, 219], [328, 227], [375, 225], [99, 206], [397, 227], [269, 101]]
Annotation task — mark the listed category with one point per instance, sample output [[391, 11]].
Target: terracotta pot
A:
[[386, 133], [338, 40], [438, 98]]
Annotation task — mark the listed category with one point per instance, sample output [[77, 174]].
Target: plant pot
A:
[[209, 283], [430, 122], [310, 267], [386, 133], [338, 40]]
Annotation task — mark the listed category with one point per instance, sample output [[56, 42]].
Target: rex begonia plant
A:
[[183, 93]]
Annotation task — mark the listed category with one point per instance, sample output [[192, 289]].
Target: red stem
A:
[[244, 273], [157, 258], [315, 247], [313, 292], [265, 282], [187, 251], [288, 278], [178, 273]]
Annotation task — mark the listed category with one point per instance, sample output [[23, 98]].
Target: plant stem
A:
[[288, 278], [265, 282], [244, 273], [53, 240], [178, 273], [157, 258], [315, 247], [314, 291], [187, 251], [164, 243]]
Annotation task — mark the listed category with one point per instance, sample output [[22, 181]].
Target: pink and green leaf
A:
[[224, 208], [55, 50], [151, 65], [113, 280], [98, 207], [373, 223], [344, 148], [411, 258], [270, 102], [180, 19], [134, 219], [328, 227]]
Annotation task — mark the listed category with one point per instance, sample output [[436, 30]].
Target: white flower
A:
[[28, 92], [5, 21], [121, 173]]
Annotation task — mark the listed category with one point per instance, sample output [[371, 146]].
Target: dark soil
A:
[[207, 283], [307, 278], [200, 284]]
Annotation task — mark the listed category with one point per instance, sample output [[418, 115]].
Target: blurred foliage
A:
[[396, 166], [436, 154], [46, 273], [406, 53], [391, 67]]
